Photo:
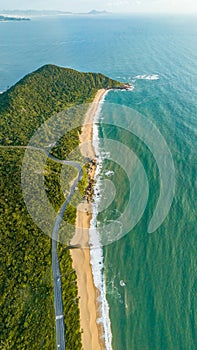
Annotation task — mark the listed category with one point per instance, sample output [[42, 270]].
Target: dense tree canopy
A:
[[26, 285]]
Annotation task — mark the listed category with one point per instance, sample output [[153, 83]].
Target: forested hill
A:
[[49, 90], [26, 286]]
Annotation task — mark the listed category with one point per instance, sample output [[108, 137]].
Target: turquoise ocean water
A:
[[156, 308]]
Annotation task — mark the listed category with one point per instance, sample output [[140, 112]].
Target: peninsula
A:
[[7, 18], [27, 305]]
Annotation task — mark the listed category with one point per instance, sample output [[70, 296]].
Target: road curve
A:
[[58, 305]]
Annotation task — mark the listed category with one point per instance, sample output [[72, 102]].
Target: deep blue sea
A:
[[151, 278]]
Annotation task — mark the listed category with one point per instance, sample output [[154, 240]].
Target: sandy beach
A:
[[92, 336]]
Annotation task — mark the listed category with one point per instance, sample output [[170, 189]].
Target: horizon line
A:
[[105, 11]]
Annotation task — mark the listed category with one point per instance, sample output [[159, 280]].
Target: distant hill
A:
[[95, 12]]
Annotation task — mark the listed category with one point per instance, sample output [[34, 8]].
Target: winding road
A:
[[58, 304]]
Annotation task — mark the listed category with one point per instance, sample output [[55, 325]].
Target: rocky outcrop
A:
[[89, 191], [122, 87]]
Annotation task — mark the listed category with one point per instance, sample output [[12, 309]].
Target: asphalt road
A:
[[59, 315]]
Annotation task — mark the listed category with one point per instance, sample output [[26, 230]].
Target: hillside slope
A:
[[49, 90]]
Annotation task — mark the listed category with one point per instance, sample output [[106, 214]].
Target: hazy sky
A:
[[109, 5]]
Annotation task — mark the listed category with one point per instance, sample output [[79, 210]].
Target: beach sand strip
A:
[[92, 332]]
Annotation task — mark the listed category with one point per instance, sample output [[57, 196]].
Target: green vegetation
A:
[[26, 304], [53, 184], [26, 284], [70, 300], [84, 182], [38, 96]]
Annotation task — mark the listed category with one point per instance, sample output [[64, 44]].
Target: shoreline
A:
[[90, 303]]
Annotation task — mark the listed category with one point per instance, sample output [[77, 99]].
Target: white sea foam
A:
[[122, 283], [96, 251], [109, 173], [131, 88], [147, 77]]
